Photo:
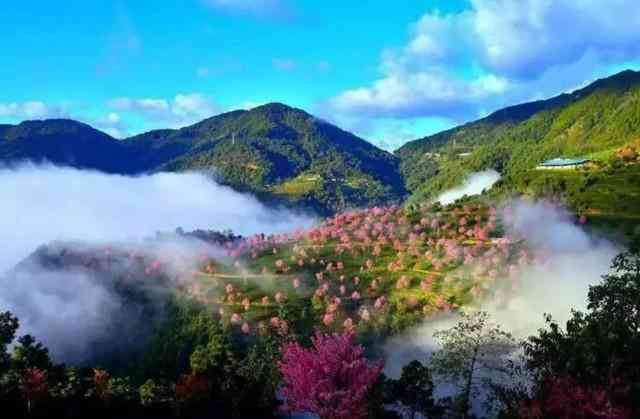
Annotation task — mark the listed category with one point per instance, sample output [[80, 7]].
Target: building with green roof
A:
[[560, 163]]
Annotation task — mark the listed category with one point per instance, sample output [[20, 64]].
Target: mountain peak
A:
[[51, 127], [274, 106], [278, 109]]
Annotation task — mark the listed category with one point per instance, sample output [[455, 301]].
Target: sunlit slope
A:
[[378, 270], [587, 123]]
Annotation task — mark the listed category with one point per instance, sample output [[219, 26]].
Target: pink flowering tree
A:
[[331, 379]]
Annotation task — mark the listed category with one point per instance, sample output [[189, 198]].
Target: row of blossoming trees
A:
[[379, 271], [588, 368]]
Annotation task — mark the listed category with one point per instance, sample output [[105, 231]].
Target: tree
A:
[[414, 389], [31, 354], [471, 352], [567, 399], [8, 327], [597, 349], [257, 379], [332, 379], [34, 386]]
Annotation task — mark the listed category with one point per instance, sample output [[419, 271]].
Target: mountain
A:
[[594, 122], [278, 151], [65, 142], [275, 151]]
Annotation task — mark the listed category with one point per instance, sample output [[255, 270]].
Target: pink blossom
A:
[[331, 380], [274, 322], [380, 302], [328, 319]]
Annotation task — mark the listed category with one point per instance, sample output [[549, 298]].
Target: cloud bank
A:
[[77, 311], [45, 203], [475, 184]]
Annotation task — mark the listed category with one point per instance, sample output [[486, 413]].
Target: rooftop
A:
[[563, 162]]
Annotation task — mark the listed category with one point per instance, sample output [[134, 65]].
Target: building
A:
[[562, 164]]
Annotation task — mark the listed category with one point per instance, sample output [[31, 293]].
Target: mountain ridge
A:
[[272, 150], [594, 122]]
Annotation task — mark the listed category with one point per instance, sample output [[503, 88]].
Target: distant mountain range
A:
[[278, 152], [285, 154]]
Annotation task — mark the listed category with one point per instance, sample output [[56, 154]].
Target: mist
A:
[[567, 261], [45, 203], [473, 185], [75, 311]]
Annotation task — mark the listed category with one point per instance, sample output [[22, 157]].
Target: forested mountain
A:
[[65, 142], [287, 155], [275, 151], [594, 122], [278, 150]]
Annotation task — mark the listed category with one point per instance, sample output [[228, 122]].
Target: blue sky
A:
[[389, 71]]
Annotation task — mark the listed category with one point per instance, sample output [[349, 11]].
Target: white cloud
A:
[[182, 110], [93, 206], [31, 110], [423, 93], [112, 124], [525, 38], [497, 53]]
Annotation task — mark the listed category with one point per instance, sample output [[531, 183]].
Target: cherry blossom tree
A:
[[332, 379]]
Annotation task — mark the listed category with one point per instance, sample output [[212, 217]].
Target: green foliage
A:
[[271, 150], [513, 141], [8, 327], [611, 193], [30, 354], [260, 151], [414, 389], [189, 328], [600, 345], [154, 392], [596, 351], [64, 142], [257, 379]]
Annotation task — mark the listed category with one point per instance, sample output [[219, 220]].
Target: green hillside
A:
[[64, 142], [275, 149], [279, 153], [591, 122]]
